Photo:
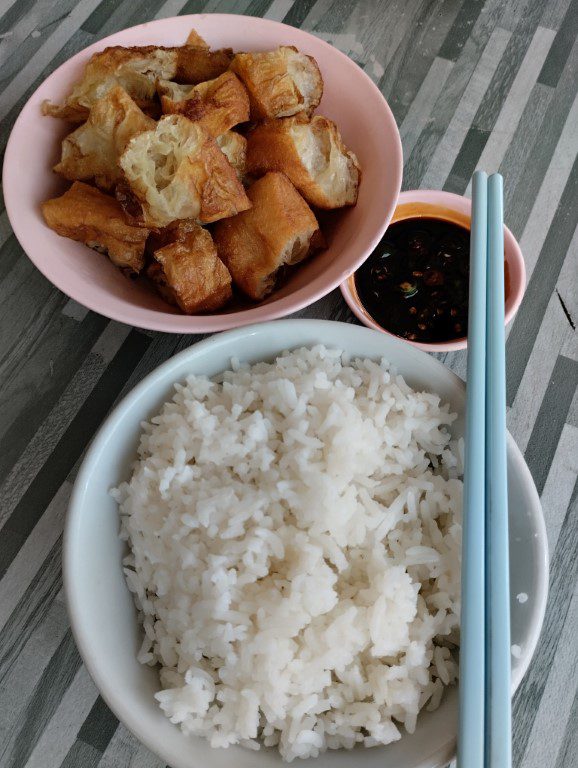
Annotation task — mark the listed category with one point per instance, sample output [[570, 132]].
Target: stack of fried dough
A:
[[200, 168]]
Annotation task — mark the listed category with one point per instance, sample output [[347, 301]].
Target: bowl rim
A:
[[150, 319], [439, 757], [460, 204]]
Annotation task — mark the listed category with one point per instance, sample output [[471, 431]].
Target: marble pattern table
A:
[[472, 84]]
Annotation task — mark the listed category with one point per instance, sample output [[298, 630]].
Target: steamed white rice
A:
[[294, 534]]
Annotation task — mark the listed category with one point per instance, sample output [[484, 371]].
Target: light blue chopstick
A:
[[498, 702], [472, 673]]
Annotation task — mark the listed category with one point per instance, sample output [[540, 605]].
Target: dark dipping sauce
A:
[[415, 283]]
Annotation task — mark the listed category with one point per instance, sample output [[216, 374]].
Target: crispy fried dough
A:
[[92, 150], [187, 271], [84, 213], [280, 229], [136, 70], [177, 171], [312, 154], [217, 105], [280, 83]]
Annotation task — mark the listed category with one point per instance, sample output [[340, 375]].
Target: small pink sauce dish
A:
[[446, 206], [350, 98]]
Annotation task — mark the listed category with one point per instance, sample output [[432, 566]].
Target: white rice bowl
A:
[[294, 535]]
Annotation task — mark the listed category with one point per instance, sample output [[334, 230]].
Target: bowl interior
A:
[[101, 610], [350, 98]]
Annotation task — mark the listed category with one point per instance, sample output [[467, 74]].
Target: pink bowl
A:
[[445, 205], [350, 98]]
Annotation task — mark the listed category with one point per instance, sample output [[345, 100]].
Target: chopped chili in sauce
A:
[[415, 283]]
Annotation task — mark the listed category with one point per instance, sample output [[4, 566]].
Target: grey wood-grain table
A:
[[472, 84]]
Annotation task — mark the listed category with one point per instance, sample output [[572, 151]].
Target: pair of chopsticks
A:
[[484, 739]]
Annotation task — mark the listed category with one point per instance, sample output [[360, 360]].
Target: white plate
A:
[[101, 610]]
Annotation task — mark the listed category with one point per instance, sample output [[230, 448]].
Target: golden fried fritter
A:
[[280, 229], [136, 70], [187, 271], [177, 171], [92, 150], [234, 147], [217, 105], [313, 156], [84, 213], [198, 64], [194, 39], [280, 83]]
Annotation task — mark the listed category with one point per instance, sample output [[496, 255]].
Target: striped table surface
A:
[[490, 84]]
